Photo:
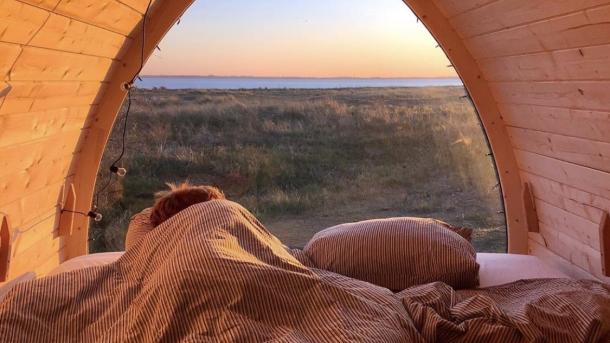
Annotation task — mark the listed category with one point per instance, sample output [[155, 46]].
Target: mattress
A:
[[496, 269], [499, 269]]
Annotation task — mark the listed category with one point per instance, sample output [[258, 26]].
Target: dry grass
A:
[[303, 160]]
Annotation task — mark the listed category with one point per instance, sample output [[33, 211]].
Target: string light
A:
[[114, 168]]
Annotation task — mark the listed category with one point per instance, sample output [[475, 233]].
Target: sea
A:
[[214, 82]]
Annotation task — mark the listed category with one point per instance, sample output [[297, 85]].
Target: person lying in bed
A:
[[167, 204]]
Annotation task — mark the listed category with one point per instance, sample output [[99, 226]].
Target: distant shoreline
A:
[[250, 82], [301, 77]]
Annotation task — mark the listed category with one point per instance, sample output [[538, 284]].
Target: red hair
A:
[[179, 197]]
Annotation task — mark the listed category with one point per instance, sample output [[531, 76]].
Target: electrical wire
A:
[[128, 87]]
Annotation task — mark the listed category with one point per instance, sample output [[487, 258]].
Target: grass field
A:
[[303, 160]]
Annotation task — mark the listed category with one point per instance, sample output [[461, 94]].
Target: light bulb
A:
[[119, 171], [96, 216]]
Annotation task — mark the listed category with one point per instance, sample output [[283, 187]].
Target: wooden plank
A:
[[51, 263], [34, 206], [35, 256], [67, 218], [529, 207], [501, 15], [604, 241], [47, 4], [451, 8], [62, 33], [579, 151], [22, 128], [572, 250], [559, 262], [5, 247], [26, 156], [583, 95], [8, 56], [24, 239], [586, 63], [14, 186], [87, 165], [576, 30], [570, 199], [578, 228], [138, 5], [577, 123], [583, 178], [29, 96], [37, 64], [109, 14], [19, 22]]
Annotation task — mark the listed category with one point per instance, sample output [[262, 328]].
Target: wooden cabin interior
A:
[[537, 71]]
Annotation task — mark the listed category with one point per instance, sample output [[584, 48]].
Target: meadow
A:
[[303, 160]]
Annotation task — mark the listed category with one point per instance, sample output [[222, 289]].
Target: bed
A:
[[214, 273], [496, 269]]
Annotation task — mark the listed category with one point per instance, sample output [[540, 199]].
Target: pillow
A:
[[139, 226], [396, 253], [462, 231]]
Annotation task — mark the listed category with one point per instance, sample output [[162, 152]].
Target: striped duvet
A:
[[213, 273]]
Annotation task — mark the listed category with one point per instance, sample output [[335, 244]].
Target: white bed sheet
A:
[[499, 269], [496, 269]]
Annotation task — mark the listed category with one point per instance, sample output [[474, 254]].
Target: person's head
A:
[[179, 197]]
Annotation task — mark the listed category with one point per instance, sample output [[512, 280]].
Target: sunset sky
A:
[[307, 38]]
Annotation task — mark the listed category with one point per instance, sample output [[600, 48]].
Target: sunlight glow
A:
[[307, 38]]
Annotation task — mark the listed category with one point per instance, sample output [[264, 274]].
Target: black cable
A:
[[113, 166]]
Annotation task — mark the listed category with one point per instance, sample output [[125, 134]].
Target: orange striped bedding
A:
[[213, 273]]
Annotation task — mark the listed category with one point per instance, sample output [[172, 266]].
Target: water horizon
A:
[[253, 82]]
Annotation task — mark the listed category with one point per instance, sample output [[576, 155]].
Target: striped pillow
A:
[[396, 253], [139, 226]]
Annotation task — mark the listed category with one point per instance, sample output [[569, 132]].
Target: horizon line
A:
[[305, 77]]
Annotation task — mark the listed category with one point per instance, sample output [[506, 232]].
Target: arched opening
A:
[[401, 151]]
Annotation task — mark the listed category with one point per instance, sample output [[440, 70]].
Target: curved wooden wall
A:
[[538, 72]]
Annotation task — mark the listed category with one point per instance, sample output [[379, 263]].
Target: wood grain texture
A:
[[529, 207], [451, 8], [38, 64], [13, 186], [593, 125], [8, 56], [26, 156], [560, 263], [22, 128], [586, 63], [35, 206], [575, 252], [46, 4], [583, 95], [577, 228], [567, 198], [19, 22], [34, 96], [582, 29], [579, 151], [586, 179], [65, 34], [109, 14], [504, 14]]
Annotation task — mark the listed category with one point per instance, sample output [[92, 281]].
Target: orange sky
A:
[[308, 38]]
